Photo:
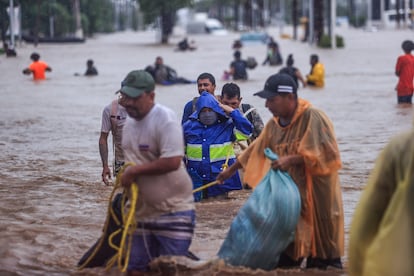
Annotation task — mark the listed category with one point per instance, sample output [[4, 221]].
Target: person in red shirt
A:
[[404, 69], [37, 67]]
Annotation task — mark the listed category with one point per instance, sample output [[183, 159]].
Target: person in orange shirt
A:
[[37, 67]]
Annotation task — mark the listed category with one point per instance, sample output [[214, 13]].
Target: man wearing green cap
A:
[[152, 139]]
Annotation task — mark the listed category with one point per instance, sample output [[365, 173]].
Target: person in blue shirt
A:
[[205, 82], [209, 135]]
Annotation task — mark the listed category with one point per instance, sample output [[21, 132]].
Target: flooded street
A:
[[53, 203]]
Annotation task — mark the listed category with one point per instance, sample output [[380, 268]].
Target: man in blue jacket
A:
[[209, 135]]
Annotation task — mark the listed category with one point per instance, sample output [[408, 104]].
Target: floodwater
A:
[[53, 204]]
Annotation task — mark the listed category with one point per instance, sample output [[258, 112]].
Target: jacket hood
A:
[[207, 100]]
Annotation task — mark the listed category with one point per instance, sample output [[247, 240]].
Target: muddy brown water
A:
[[53, 204]]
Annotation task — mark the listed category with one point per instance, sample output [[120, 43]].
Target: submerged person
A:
[[164, 74], [293, 71], [381, 238], [238, 67], [152, 140], [184, 45], [404, 69], [37, 67], [209, 134], [312, 159], [90, 68], [316, 77], [273, 55]]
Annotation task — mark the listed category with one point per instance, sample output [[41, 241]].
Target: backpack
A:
[[251, 62]]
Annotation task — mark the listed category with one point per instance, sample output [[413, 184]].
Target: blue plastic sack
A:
[[265, 225]]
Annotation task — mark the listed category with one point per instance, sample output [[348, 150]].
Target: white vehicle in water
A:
[[206, 26], [406, 19]]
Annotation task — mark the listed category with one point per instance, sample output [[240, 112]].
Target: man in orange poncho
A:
[[304, 139]]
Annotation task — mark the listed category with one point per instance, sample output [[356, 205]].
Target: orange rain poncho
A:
[[382, 230], [320, 230]]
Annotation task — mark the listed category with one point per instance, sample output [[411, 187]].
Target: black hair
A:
[[314, 57], [35, 56], [407, 46], [290, 61], [207, 76], [231, 90], [237, 54]]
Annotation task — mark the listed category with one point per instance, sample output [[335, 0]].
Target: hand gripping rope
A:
[[124, 249], [128, 228]]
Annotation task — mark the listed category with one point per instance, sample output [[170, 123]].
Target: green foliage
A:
[[357, 21], [64, 22], [154, 8], [339, 41], [100, 15], [96, 16], [165, 10], [325, 41]]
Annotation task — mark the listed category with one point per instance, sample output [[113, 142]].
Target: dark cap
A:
[[277, 83], [136, 83]]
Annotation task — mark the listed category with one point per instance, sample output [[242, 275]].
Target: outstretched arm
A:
[[27, 71], [300, 78], [103, 151], [227, 173]]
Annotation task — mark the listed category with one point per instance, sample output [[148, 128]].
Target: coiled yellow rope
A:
[[129, 226]]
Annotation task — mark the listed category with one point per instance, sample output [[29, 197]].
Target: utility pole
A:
[[333, 23], [369, 15], [406, 13], [76, 11], [11, 15], [311, 22]]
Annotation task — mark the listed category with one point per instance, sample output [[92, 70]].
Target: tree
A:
[[164, 11], [319, 19]]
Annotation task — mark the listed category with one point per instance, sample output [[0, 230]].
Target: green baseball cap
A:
[[136, 83]]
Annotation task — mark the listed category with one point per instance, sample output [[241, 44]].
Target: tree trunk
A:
[[77, 15], [166, 26], [36, 27], [319, 19], [397, 13], [236, 15], [295, 19]]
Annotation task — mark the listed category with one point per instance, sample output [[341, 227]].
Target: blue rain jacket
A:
[[207, 147]]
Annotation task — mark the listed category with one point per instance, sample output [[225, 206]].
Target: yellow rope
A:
[[109, 212], [124, 249]]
